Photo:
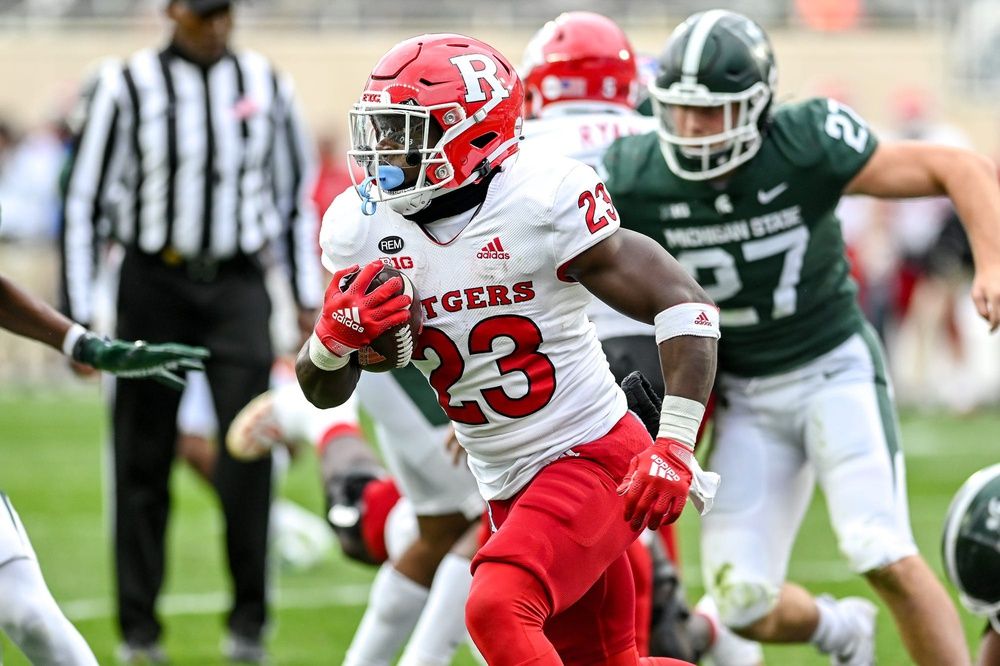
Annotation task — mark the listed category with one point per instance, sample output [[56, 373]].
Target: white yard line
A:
[[206, 603]]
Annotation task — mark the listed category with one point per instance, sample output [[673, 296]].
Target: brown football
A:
[[392, 349]]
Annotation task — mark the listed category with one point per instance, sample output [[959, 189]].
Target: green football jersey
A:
[[766, 244]]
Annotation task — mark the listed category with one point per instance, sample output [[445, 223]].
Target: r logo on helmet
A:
[[473, 76]]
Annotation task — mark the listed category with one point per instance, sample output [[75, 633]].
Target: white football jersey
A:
[[506, 341], [580, 132]]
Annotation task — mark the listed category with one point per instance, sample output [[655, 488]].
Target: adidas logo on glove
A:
[[350, 318], [662, 469]]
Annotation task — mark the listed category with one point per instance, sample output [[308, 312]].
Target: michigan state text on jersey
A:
[[767, 247]]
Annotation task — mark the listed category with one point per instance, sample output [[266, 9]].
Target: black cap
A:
[[205, 7]]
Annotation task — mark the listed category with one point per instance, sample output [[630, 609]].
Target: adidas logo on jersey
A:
[[350, 318], [493, 250], [661, 468], [702, 319]]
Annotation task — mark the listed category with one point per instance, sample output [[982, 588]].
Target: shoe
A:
[[244, 650], [132, 654], [299, 539], [669, 634], [280, 418], [861, 649]]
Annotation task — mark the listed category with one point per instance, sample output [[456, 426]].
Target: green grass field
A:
[[52, 464]]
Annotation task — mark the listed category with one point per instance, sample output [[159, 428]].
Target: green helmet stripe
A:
[[696, 44]]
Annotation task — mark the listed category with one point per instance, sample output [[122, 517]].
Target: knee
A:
[[504, 595], [441, 532], [484, 608], [870, 548], [743, 604], [896, 578]]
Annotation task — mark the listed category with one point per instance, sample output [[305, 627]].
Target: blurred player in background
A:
[[421, 587], [28, 613], [743, 195], [413, 593], [500, 243], [970, 548]]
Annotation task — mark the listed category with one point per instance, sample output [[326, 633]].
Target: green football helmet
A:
[[717, 59], [971, 543]]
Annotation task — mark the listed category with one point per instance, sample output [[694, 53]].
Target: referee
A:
[[194, 159]]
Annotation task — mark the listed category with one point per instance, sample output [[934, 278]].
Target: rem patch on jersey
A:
[[390, 244]]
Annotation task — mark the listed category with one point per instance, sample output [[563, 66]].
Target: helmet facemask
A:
[[400, 149], [710, 156]]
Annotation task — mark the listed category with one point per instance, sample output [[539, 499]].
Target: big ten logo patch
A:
[[399, 263], [478, 69]]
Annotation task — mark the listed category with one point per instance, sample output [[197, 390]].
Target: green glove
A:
[[139, 359]]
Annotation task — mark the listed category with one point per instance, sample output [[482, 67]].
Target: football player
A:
[[970, 548], [28, 613], [742, 193], [503, 248]]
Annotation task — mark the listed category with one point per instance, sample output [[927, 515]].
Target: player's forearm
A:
[[325, 388], [688, 363], [26, 315], [972, 186]]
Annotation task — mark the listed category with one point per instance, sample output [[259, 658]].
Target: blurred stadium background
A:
[[921, 68]]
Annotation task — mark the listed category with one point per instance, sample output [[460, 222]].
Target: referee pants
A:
[[226, 311]]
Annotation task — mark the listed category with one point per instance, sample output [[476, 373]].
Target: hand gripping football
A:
[[392, 349]]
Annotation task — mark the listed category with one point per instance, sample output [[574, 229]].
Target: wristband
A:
[[698, 319], [323, 358], [680, 419], [73, 335]]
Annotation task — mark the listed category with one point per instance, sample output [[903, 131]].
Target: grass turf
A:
[[53, 461]]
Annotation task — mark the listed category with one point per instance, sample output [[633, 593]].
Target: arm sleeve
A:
[[582, 215], [88, 172], [294, 172]]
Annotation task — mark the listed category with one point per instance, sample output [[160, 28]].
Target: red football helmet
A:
[[580, 56], [448, 104]]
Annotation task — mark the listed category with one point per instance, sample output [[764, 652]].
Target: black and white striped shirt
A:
[[201, 162]]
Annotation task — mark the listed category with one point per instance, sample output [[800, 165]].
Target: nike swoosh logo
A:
[[767, 196]]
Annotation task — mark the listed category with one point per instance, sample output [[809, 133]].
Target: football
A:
[[392, 349]]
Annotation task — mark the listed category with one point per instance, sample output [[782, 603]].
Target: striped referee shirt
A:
[[203, 163]]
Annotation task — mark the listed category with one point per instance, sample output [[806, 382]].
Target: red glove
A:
[[351, 318], [657, 483]]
